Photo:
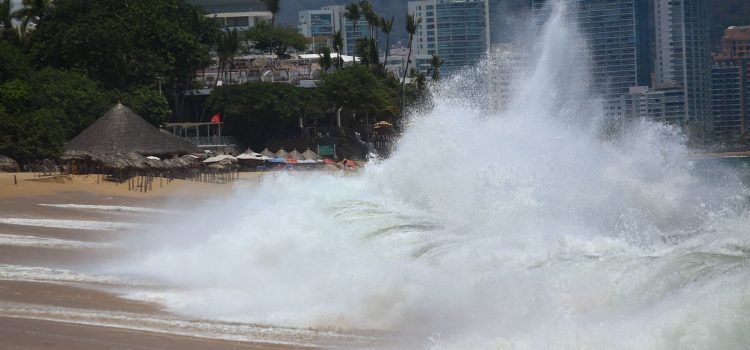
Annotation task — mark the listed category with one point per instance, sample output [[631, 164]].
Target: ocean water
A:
[[527, 228]]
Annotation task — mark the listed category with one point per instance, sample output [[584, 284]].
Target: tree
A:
[[325, 58], [147, 102], [338, 47], [273, 6], [276, 40], [258, 111], [72, 98], [6, 21], [125, 44], [367, 49], [13, 64], [31, 12], [353, 14], [411, 27], [436, 62], [33, 135], [227, 48], [358, 88], [368, 12], [386, 26]]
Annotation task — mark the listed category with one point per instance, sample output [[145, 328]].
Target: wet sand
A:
[[34, 311], [19, 333]]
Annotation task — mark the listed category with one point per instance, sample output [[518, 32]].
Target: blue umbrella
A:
[[277, 160]]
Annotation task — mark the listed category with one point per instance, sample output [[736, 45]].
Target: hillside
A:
[[509, 14]]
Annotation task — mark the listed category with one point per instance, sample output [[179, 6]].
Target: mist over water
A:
[[529, 228]]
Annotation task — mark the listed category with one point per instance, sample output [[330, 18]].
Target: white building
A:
[[683, 54], [235, 14], [456, 30], [320, 26], [664, 104]]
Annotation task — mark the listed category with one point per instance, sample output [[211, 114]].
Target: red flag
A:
[[216, 119]]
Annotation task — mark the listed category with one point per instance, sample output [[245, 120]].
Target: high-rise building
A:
[[683, 55], [321, 25], [456, 30], [235, 14], [664, 104], [730, 84], [618, 39]]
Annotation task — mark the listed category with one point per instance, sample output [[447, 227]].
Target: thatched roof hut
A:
[[122, 131], [121, 139], [7, 164]]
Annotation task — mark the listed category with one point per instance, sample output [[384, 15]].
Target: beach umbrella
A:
[[310, 155], [282, 154], [294, 154], [268, 153], [277, 160], [292, 161], [219, 158], [252, 156], [329, 161], [382, 124]]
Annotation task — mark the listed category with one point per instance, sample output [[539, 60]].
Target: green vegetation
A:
[[69, 61], [276, 40], [125, 44], [257, 111], [82, 57]]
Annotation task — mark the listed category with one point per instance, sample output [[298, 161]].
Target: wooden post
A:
[[15, 180]]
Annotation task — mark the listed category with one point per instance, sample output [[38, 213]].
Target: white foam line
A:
[[47, 275], [119, 208], [166, 324], [69, 224], [47, 242]]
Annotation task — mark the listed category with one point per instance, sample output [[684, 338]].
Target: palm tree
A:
[[411, 27], [6, 16], [31, 12], [338, 47], [229, 46], [369, 14], [6, 20], [436, 62], [386, 27], [273, 6], [325, 58], [353, 14]]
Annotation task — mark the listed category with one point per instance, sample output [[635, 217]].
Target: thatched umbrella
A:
[[282, 154], [294, 154], [310, 155], [122, 131], [8, 164], [268, 153]]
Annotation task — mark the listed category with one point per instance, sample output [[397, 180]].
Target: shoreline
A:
[[41, 269]]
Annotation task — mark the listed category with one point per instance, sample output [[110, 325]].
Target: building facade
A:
[[456, 30], [235, 14], [683, 54], [320, 26], [730, 85], [664, 104], [618, 40]]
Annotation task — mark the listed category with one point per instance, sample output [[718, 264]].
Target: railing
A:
[[212, 141]]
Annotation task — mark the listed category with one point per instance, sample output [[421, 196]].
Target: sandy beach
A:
[[53, 230]]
